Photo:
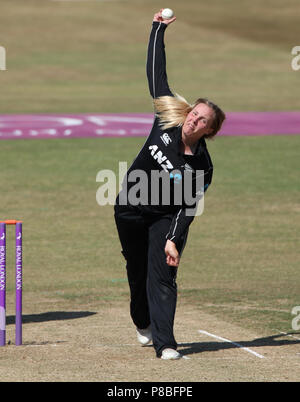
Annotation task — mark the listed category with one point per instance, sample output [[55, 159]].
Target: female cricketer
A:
[[153, 234]]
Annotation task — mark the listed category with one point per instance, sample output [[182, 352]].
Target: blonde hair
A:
[[173, 110]]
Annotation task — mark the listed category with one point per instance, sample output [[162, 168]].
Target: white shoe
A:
[[170, 354], [144, 336]]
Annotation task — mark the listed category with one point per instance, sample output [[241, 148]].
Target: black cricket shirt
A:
[[161, 150]]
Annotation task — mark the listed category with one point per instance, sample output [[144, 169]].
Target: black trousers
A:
[[152, 283]]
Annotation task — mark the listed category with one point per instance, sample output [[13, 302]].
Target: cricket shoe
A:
[[144, 336], [170, 354]]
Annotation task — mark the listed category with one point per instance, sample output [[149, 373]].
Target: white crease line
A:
[[112, 345], [234, 343], [284, 333]]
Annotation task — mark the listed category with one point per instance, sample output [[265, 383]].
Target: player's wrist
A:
[[157, 23]]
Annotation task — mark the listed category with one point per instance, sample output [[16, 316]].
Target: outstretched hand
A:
[[158, 18], [172, 254]]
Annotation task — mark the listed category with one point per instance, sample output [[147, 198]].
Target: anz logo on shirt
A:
[[165, 163], [160, 158]]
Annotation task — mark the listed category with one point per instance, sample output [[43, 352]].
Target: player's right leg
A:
[[133, 234]]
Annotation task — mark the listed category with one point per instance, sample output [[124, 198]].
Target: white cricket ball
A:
[[167, 13]]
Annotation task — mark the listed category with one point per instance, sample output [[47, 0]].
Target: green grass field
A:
[[241, 263], [89, 56]]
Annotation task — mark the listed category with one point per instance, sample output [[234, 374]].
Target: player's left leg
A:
[[161, 287]]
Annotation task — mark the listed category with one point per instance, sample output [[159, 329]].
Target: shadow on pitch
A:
[[200, 347], [51, 316]]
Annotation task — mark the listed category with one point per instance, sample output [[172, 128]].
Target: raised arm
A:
[[156, 60]]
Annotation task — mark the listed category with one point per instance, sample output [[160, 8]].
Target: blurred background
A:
[[87, 56]]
